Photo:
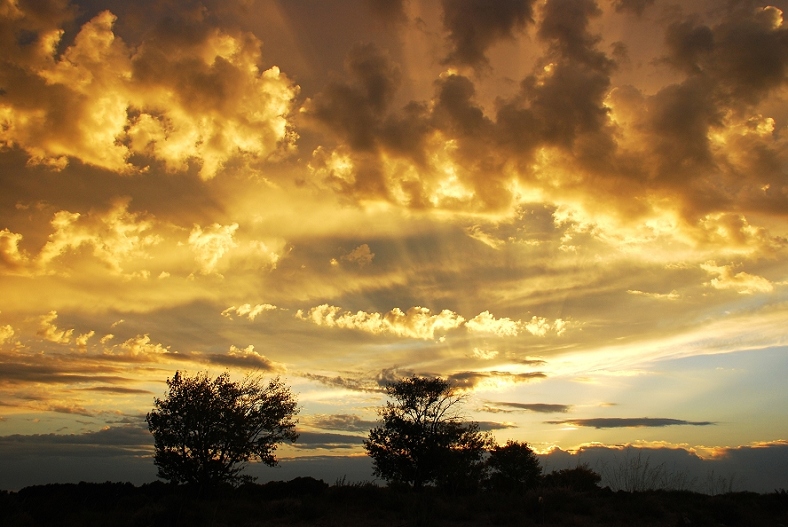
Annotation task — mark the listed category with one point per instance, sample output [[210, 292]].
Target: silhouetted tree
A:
[[205, 430], [513, 467], [423, 438]]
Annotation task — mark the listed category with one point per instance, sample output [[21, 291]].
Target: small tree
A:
[[423, 438], [514, 467], [206, 430]]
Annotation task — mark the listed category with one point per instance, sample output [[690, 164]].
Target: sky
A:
[[574, 210]]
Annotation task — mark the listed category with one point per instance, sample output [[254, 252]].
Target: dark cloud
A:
[[114, 440], [243, 360], [389, 11], [349, 383], [531, 407], [469, 379], [680, 118], [354, 108], [311, 440], [634, 6], [487, 426], [344, 422], [53, 373], [629, 422], [475, 25], [116, 390], [757, 468], [745, 55], [565, 24]]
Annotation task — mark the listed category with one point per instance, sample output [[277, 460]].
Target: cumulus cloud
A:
[[361, 255], [741, 282], [484, 354], [417, 322], [629, 422], [51, 332], [140, 347], [211, 243], [485, 322], [115, 237], [6, 333], [12, 260], [248, 310], [186, 93]]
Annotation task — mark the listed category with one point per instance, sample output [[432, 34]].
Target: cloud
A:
[[70, 409], [116, 236], [757, 467], [211, 244], [12, 260], [55, 372], [485, 322], [50, 331], [629, 422], [488, 426], [140, 346], [6, 333], [471, 379], [673, 295], [188, 92], [112, 440], [353, 106], [389, 11], [249, 311], [245, 358], [743, 283], [361, 255], [484, 354], [322, 440], [344, 422], [417, 322], [119, 390], [635, 6], [475, 25], [358, 383], [528, 407]]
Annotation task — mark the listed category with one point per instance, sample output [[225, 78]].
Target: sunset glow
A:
[[574, 210]]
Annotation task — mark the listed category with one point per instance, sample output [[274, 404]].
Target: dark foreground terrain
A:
[[306, 501]]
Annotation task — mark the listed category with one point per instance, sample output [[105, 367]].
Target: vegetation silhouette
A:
[[306, 501], [423, 438], [513, 467], [206, 430]]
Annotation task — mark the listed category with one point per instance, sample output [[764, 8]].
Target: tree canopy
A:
[[423, 438], [206, 430]]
